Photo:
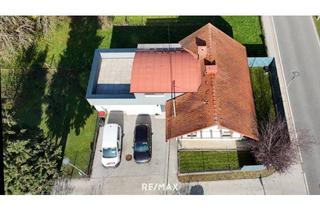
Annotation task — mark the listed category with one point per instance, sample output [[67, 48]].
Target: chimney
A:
[[202, 52], [211, 69]]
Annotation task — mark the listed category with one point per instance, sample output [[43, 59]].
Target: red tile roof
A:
[[155, 71], [225, 95]]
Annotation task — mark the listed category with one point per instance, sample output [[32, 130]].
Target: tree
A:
[[16, 33], [105, 21], [19, 32], [30, 159], [276, 147], [1, 154], [30, 165]]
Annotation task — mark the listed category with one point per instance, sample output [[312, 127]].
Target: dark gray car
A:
[[142, 149]]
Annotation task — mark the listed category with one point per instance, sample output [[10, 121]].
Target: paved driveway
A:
[[128, 177]]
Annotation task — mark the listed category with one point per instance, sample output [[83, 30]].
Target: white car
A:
[[111, 145]]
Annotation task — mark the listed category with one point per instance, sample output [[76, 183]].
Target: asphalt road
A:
[[299, 49]]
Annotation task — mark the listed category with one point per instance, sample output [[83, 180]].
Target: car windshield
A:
[[109, 152], [141, 147]]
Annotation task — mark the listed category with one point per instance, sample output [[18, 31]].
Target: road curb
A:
[[167, 165]]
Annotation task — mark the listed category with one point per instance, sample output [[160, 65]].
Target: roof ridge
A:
[[214, 99], [213, 80], [210, 35]]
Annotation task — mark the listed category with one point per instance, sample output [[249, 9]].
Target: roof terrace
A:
[[111, 73]]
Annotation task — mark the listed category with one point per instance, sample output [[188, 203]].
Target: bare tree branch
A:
[[277, 146], [19, 32]]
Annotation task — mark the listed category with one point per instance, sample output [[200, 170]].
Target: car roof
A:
[[109, 137], [140, 132]]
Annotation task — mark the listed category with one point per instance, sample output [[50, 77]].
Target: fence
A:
[[93, 147], [244, 172]]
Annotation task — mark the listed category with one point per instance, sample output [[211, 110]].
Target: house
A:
[[201, 86]]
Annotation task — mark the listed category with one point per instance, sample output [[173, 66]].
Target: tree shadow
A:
[[276, 92], [164, 30], [28, 104], [67, 107], [116, 117], [172, 30], [245, 158], [197, 190], [144, 119], [256, 50], [263, 95]]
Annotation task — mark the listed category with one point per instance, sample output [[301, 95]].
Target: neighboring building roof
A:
[[160, 71], [225, 95]]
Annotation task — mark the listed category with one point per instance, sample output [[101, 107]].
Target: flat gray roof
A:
[[114, 73]]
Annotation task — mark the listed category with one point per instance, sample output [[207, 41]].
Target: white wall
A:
[[214, 133], [140, 104], [131, 109]]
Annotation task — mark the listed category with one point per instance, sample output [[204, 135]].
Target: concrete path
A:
[[295, 45]]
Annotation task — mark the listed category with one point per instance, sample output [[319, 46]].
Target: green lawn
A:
[[57, 102], [56, 42], [77, 148], [317, 23], [200, 161], [136, 20], [245, 29], [262, 92]]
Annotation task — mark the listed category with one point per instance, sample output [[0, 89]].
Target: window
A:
[[226, 133], [192, 135], [109, 152], [141, 147], [118, 135], [163, 108], [206, 134]]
